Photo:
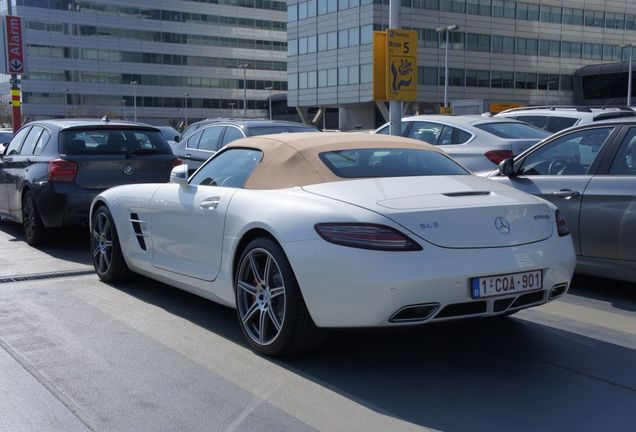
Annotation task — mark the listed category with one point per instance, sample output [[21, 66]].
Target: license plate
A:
[[490, 286]]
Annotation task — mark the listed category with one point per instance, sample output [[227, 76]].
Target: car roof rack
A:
[[580, 108]]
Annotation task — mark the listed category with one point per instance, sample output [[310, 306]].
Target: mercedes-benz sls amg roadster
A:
[[310, 231]]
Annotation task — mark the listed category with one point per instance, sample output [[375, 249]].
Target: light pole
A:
[[65, 90], [134, 85], [629, 73], [123, 108], [244, 66], [447, 29], [185, 108], [270, 101]]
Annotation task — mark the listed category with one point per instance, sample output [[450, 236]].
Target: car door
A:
[[608, 211], [560, 170], [17, 170], [187, 221], [6, 167]]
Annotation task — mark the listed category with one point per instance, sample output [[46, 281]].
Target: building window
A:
[[366, 73], [322, 78], [366, 34], [302, 80], [354, 36], [292, 13], [332, 40], [354, 74], [311, 79], [311, 44], [343, 38], [343, 76], [594, 18], [322, 42], [332, 77], [292, 81]]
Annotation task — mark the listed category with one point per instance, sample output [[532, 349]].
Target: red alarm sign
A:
[[15, 46]]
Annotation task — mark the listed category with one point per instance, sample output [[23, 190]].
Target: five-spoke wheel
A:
[[271, 310], [34, 231], [261, 296], [107, 257]]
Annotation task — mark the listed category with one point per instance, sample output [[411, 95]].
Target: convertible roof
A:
[[293, 159]]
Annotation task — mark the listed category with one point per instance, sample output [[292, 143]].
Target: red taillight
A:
[[562, 225], [62, 171], [177, 162], [366, 236], [496, 156]]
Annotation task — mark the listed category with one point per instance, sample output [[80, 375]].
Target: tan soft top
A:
[[293, 159]]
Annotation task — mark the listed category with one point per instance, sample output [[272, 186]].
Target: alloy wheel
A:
[[261, 296], [102, 243], [28, 217]]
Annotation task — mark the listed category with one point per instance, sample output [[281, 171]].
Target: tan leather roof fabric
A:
[[294, 159]]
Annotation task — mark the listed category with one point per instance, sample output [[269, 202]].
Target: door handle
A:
[[567, 193], [187, 156], [210, 203]]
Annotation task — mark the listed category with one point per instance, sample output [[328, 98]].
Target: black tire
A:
[[34, 230], [108, 259], [294, 332]]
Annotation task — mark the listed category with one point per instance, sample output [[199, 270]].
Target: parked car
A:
[[193, 127], [5, 137], [52, 169], [208, 139], [302, 232], [478, 143], [589, 172], [558, 117]]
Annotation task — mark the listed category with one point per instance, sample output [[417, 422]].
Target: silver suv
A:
[[556, 118]]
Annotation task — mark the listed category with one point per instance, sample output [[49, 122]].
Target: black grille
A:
[[40, 276], [459, 309], [528, 299], [502, 304], [134, 219]]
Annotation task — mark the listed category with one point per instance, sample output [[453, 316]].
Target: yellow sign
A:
[[379, 65], [497, 107], [445, 110], [401, 65]]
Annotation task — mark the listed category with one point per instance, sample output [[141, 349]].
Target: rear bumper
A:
[[63, 204], [346, 287]]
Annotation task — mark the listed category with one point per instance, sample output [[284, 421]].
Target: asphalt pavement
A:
[[79, 354]]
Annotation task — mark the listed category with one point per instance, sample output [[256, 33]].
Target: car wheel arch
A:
[[247, 237]]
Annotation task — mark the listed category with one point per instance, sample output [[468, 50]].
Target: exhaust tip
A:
[[414, 313], [558, 291]]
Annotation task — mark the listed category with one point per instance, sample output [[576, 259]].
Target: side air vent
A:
[[136, 223]]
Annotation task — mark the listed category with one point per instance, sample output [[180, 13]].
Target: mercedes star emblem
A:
[[502, 225], [128, 169]]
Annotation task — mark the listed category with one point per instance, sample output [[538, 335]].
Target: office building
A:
[[163, 60], [501, 51]]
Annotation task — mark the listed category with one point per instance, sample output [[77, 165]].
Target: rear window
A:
[[513, 130], [112, 142], [365, 163], [266, 130]]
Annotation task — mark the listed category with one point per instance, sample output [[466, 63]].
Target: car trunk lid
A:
[[450, 211]]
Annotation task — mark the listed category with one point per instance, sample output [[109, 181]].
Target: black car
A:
[[198, 146], [52, 169], [5, 137]]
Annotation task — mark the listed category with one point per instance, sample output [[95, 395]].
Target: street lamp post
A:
[[123, 108], [65, 90], [629, 73], [244, 66], [134, 85], [185, 108], [270, 101], [447, 29]]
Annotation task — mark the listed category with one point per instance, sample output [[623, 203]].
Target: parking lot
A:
[[78, 354]]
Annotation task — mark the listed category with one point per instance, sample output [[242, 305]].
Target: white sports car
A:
[[304, 232]]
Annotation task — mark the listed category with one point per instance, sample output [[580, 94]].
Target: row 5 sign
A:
[[13, 52], [395, 65]]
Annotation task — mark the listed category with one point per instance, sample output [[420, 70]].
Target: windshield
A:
[[112, 142], [390, 162], [266, 130], [513, 130]]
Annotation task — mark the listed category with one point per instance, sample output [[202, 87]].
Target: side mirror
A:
[[179, 175], [507, 168], [177, 138]]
